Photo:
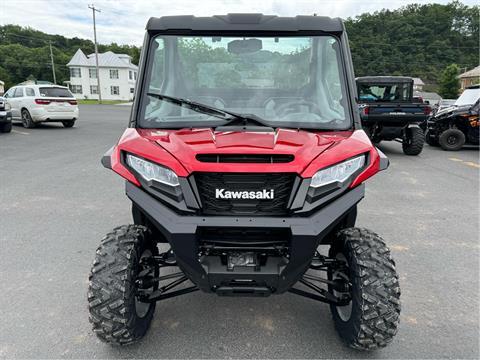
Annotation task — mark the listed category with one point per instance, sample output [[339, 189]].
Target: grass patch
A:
[[104, 102]]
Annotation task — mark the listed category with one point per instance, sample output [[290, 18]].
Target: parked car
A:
[[389, 111], [5, 116], [33, 104], [458, 124]]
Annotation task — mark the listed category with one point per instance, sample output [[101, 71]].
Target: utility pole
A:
[[53, 64], [96, 51]]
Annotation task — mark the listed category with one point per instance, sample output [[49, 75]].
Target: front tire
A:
[[68, 123], [371, 319], [117, 316], [451, 140], [27, 119], [413, 140]]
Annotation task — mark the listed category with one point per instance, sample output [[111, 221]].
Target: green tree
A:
[[415, 40], [25, 51], [449, 84]]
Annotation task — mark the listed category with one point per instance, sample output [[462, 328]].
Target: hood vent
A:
[[245, 158]]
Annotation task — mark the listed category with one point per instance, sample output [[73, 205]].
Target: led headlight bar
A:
[[150, 171], [337, 173]]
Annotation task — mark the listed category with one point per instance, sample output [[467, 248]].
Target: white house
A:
[[418, 84], [2, 89], [117, 76]]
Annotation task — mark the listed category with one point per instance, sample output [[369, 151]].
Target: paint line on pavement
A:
[[468, 163], [20, 132]]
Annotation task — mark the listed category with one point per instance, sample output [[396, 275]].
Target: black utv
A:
[[390, 112], [457, 125]]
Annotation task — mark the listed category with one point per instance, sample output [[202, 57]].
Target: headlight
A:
[[150, 171], [8, 107], [337, 173]]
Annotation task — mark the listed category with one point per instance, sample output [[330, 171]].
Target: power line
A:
[[23, 36]]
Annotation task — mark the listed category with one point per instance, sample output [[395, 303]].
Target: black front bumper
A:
[[277, 275], [7, 118]]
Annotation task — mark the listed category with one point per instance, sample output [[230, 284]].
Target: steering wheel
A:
[[290, 107]]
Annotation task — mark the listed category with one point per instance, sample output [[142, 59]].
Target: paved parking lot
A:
[[56, 202]]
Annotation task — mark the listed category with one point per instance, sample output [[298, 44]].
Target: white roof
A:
[[106, 59], [417, 81], [475, 72], [1, 82]]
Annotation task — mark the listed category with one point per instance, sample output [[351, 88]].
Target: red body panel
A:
[[312, 151]]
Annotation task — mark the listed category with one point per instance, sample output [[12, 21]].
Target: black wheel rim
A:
[[452, 140], [25, 118]]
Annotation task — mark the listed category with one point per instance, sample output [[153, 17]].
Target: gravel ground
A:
[[57, 202]]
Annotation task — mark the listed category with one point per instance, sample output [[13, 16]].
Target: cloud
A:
[[123, 21]]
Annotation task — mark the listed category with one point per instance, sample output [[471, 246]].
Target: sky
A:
[[123, 21]]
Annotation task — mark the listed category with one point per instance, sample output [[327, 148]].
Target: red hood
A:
[[185, 144]]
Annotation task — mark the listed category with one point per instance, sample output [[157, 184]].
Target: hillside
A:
[[416, 40], [25, 52]]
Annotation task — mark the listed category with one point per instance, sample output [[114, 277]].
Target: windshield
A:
[[468, 97], [384, 92], [285, 82], [55, 92]]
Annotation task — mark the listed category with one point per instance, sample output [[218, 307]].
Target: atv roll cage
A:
[[231, 26]]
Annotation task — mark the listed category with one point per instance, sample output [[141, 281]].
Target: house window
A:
[[114, 90], [113, 74], [76, 89], [93, 89], [135, 75], [92, 73], [132, 90], [75, 73], [130, 74]]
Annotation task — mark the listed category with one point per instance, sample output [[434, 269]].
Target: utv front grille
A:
[[245, 158], [240, 238], [211, 184]]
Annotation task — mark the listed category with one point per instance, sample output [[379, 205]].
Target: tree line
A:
[[414, 40]]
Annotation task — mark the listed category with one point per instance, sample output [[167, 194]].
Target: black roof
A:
[[384, 79], [246, 22]]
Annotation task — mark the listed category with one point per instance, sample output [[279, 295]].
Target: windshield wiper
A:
[[244, 120], [231, 117]]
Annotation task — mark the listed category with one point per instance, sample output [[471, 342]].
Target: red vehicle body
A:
[[177, 150], [245, 154]]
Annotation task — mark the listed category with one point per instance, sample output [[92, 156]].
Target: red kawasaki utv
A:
[[245, 154]]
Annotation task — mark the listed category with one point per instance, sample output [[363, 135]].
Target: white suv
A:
[[32, 104]]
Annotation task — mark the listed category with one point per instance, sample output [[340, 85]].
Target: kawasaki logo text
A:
[[259, 195]]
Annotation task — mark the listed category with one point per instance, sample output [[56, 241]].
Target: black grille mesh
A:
[[281, 183]]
